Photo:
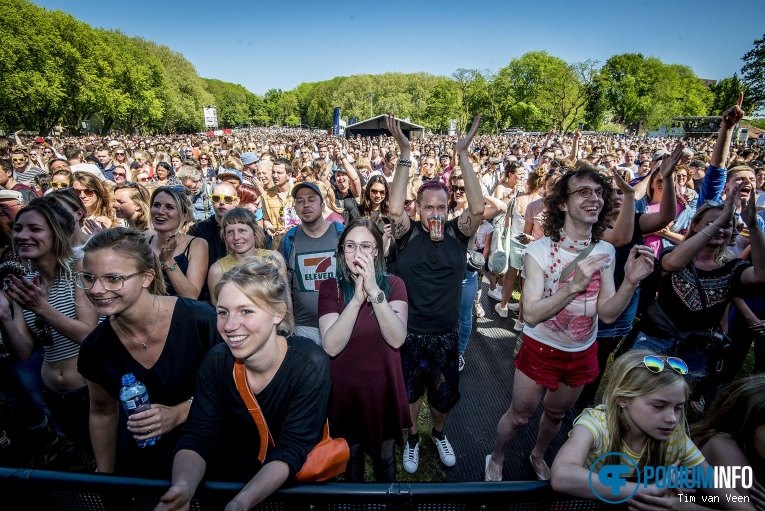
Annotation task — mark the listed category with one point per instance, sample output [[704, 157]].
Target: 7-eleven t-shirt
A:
[[312, 261]]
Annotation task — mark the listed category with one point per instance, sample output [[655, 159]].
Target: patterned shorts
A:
[[431, 363]]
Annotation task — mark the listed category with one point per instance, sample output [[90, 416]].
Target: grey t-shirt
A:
[[311, 261]]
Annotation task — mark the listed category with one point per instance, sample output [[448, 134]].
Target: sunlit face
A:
[[323, 153], [104, 158], [164, 213], [240, 238], [124, 207], [657, 186], [343, 183], [264, 176], [176, 162], [246, 327], [644, 168], [106, 261], [8, 210], [225, 189], [308, 205], [88, 195], [458, 190], [377, 193], [279, 174], [32, 235], [745, 180], [584, 209], [161, 173], [410, 204], [59, 165], [193, 186], [722, 236], [19, 161], [655, 415]]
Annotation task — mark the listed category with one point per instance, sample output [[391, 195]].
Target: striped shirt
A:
[[27, 175], [61, 297], [679, 446]]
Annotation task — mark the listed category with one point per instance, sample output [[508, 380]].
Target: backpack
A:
[[290, 238]]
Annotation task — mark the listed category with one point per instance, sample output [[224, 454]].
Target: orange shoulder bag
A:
[[326, 460]]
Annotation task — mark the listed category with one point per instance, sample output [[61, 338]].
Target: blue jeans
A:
[[623, 324], [469, 289], [25, 386]]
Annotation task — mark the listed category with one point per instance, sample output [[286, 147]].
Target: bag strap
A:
[[569, 269], [253, 407], [702, 295]]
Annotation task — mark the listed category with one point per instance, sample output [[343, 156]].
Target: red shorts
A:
[[550, 366]]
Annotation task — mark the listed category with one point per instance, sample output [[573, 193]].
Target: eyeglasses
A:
[[143, 179], [546, 158], [87, 192], [18, 160], [656, 364], [86, 281], [228, 199], [119, 154], [56, 184], [350, 247], [682, 175], [119, 174], [458, 189], [378, 192], [586, 193]]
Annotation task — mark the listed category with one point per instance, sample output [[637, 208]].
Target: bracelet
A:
[[168, 268], [190, 400], [404, 163], [705, 232]]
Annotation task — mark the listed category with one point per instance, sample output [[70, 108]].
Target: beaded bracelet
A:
[[705, 232], [404, 163]]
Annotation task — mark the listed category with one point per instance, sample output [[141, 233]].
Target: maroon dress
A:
[[368, 402]]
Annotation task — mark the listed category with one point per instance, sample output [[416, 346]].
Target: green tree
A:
[[726, 93], [753, 74]]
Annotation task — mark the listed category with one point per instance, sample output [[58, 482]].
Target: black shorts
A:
[[431, 363]]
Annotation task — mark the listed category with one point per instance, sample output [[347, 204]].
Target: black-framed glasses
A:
[[460, 189], [86, 281], [351, 247], [586, 193], [228, 199]]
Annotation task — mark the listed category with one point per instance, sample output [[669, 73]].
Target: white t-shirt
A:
[[576, 326], [380, 173]]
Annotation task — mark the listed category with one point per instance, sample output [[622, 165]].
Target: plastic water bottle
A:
[[135, 399]]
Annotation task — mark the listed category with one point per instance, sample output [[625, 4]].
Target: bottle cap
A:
[[128, 379]]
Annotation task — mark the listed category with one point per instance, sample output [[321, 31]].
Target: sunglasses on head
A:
[[228, 199], [656, 364]]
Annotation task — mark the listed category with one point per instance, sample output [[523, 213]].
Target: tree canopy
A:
[[56, 70]]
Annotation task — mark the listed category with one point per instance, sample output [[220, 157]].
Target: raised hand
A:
[[464, 143], [623, 185], [639, 265], [731, 116], [586, 268], [670, 161], [749, 211], [394, 126]]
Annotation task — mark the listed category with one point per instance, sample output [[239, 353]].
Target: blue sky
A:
[[279, 44]]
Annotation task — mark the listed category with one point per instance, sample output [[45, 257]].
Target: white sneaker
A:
[[411, 459], [519, 326], [513, 306], [479, 312], [500, 310], [495, 294], [445, 451]]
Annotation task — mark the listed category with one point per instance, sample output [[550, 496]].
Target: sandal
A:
[[541, 475], [486, 476]]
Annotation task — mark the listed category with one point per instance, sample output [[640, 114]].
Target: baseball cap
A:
[[249, 157], [230, 172], [305, 184], [658, 154]]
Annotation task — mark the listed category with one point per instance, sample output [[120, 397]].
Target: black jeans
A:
[[71, 411]]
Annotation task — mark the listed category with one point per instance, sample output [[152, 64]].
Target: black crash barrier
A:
[[25, 489]]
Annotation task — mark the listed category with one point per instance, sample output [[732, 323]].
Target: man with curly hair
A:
[[569, 285]]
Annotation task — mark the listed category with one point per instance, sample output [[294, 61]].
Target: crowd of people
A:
[[342, 277]]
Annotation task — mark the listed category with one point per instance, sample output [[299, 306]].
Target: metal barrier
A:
[[24, 489]]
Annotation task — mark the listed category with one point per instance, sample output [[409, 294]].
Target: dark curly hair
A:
[[555, 216]]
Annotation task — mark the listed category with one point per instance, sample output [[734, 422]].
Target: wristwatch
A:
[[378, 299]]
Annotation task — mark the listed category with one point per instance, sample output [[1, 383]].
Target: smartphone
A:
[[386, 220]]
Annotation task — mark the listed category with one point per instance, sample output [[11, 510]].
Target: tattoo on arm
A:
[[465, 225], [398, 229]]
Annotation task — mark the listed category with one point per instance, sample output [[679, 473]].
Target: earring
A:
[[622, 406]]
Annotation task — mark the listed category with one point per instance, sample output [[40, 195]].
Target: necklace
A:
[[143, 344]]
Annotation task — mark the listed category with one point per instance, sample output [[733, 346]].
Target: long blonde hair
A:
[[628, 378], [723, 254]]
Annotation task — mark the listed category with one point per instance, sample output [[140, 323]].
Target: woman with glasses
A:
[[131, 205], [245, 241], [701, 278], [643, 419], [120, 174], [206, 166], [160, 339], [48, 310], [95, 196], [374, 202], [656, 194], [183, 257], [362, 318]]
